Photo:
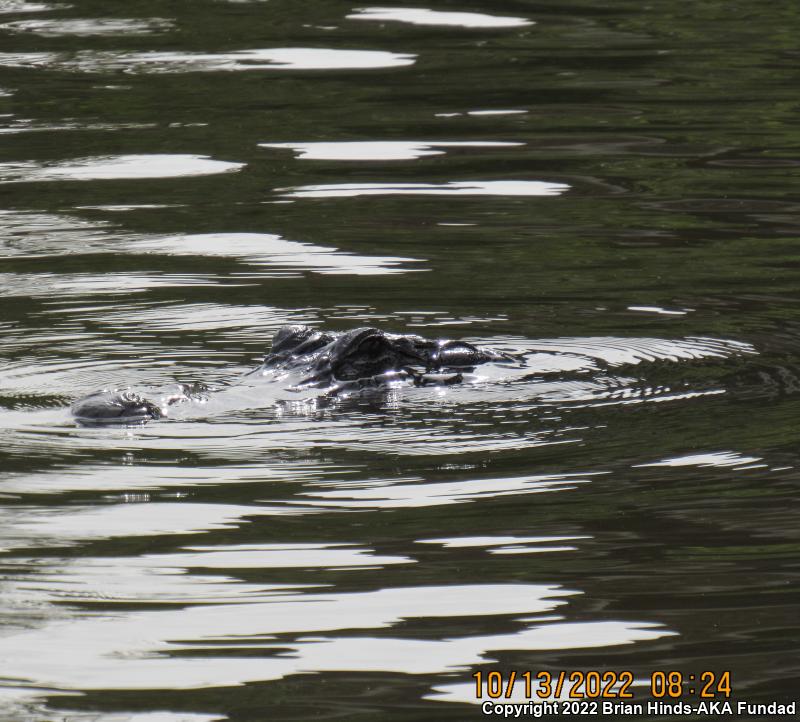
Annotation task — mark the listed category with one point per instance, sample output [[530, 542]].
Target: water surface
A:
[[607, 191]]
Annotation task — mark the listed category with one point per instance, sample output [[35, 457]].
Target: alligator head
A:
[[303, 357]]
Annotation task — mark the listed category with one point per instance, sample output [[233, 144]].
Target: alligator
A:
[[302, 357]]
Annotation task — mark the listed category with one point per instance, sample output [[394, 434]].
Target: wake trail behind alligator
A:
[[549, 371]]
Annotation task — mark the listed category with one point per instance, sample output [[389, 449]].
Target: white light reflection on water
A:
[[719, 459], [380, 150], [661, 311], [277, 556], [113, 167], [121, 208], [508, 544], [35, 235], [394, 495], [481, 112], [26, 125], [460, 188], [29, 234], [129, 477], [87, 27], [460, 542], [88, 61], [497, 112], [26, 527], [172, 578], [148, 579], [27, 703], [265, 249], [131, 649], [22, 6], [35, 285], [222, 323], [423, 16]]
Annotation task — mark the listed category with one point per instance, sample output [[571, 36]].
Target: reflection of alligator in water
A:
[[306, 358]]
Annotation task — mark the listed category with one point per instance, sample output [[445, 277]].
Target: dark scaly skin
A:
[[362, 358]]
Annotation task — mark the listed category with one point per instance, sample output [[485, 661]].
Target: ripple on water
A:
[[618, 351], [509, 544], [31, 234], [26, 125], [28, 703], [402, 494], [224, 323], [478, 113], [26, 527], [504, 407], [424, 16], [460, 188], [129, 650], [719, 459], [380, 150], [269, 250], [38, 235], [23, 6], [128, 579], [661, 311], [116, 167], [250, 539], [126, 482], [43, 285], [126, 349], [87, 61], [497, 111], [277, 556], [87, 27]]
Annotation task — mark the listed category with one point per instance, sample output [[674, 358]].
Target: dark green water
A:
[[609, 189]]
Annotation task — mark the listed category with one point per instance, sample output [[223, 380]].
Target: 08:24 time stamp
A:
[[593, 684]]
